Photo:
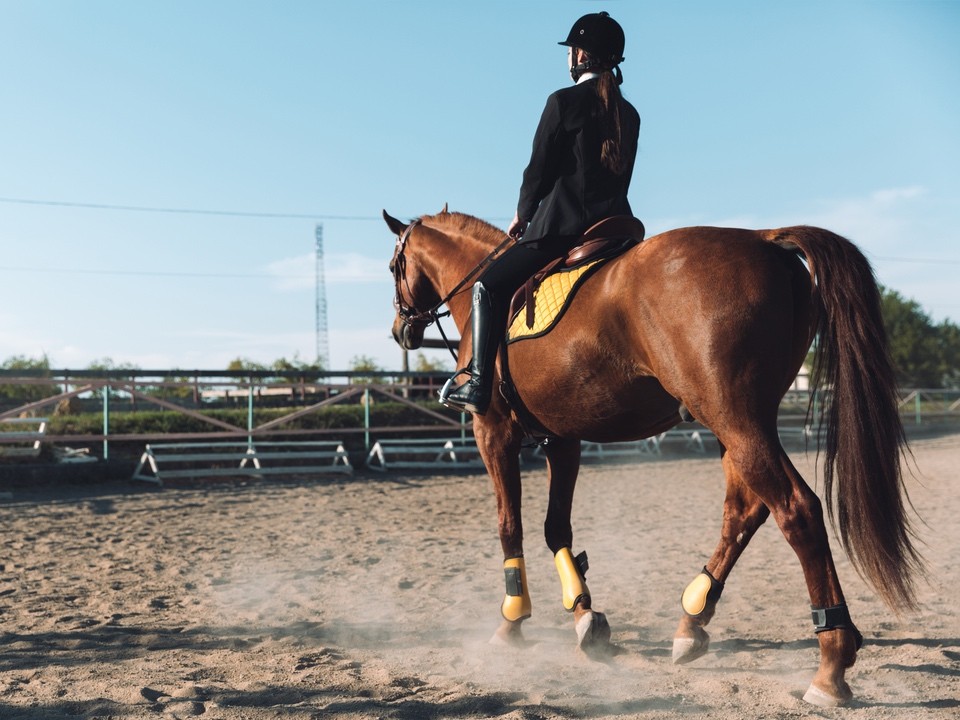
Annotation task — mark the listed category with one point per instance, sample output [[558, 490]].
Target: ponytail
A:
[[608, 91]]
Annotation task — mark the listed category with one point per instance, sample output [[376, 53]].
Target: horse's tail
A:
[[865, 440]]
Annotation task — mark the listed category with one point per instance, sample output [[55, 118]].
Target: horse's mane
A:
[[456, 223]]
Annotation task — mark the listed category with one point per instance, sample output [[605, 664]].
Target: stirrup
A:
[[472, 396], [449, 387]]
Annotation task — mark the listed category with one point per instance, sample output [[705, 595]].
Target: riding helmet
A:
[[599, 35]]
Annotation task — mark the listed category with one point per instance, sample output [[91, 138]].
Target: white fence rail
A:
[[424, 454], [178, 460], [22, 443]]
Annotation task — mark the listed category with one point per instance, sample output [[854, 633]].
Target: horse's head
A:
[[416, 299]]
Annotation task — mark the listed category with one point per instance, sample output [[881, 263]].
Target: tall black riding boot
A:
[[474, 395]]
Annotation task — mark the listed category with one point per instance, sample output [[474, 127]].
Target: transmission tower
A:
[[323, 348]]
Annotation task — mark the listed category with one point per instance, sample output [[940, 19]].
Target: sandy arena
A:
[[375, 597]]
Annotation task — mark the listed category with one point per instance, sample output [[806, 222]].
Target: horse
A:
[[715, 322]]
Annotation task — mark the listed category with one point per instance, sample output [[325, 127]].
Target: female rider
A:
[[579, 174]]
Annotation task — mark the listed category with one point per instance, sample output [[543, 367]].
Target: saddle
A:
[[548, 293]]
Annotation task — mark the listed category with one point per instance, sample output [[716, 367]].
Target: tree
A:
[[363, 363], [240, 364], [106, 364], [915, 346], [310, 372], [22, 394], [948, 337], [924, 355], [423, 364]]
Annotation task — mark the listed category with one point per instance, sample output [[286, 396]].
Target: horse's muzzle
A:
[[409, 337]]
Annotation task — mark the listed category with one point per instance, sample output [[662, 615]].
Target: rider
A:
[[579, 173]]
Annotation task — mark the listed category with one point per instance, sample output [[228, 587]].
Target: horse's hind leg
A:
[[768, 472], [743, 514], [563, 466]]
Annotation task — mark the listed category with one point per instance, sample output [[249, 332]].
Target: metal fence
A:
[[293, 395], [194, 393]]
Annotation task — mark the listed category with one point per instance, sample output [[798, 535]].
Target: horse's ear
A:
[[396, 226], [444, 208]]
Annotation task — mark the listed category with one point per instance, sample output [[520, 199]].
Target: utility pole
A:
[[323, 347]]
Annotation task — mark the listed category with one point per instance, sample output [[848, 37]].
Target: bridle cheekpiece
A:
[[407, 313]]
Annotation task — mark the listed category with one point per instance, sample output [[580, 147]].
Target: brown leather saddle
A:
[[605, 240]]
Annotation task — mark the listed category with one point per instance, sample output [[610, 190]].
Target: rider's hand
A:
[[517, 227]]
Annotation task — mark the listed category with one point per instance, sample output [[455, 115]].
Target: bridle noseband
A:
[[407, 313]]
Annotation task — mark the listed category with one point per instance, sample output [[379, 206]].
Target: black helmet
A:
[[599, 35]]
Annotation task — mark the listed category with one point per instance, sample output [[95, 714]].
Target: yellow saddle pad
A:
[[550, 300]]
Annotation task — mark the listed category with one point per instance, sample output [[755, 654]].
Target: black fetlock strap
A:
[[703, 592], [834, 618], [582, 564], [716, 587]]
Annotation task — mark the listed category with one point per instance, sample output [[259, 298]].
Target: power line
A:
[[187, 211], [151, 273], [200, 211], [930, 261]]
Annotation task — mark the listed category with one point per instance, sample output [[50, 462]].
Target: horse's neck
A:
[[454, 256]]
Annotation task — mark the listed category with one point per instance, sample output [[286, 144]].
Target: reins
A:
[[409, 314]]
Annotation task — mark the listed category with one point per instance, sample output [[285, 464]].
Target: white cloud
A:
[[882, 214], [896, 194], [299, 273], [903, 231]]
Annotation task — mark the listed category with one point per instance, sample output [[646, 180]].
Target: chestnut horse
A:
[[720, 320]]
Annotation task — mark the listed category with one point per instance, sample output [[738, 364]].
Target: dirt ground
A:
[[375, 596]]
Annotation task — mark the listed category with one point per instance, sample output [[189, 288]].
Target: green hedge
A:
[[169, 421]]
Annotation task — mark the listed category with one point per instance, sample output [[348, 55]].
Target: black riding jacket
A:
[[566, 188]]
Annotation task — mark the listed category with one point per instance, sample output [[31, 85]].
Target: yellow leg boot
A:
[[593, 631], [516, 604]]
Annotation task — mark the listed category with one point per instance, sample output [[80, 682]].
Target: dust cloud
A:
[[376, 597]]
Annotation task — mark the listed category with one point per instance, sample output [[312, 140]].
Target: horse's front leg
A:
[[563, 466], [743, 514], [499, 444]]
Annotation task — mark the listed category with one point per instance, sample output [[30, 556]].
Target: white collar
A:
[[587, 76]]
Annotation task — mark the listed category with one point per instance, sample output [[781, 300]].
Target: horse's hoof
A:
[[593, 634], [687, 649], [821, 698], [508, 635]]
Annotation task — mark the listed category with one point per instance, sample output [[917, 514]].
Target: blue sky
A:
[[755, 114]]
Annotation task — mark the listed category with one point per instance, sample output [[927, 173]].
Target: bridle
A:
[[410, 315]]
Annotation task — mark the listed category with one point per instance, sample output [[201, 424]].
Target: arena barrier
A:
[[424, 454], [795, 432], [692, 439], [240, 459], [633, 448], [22, 443]]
